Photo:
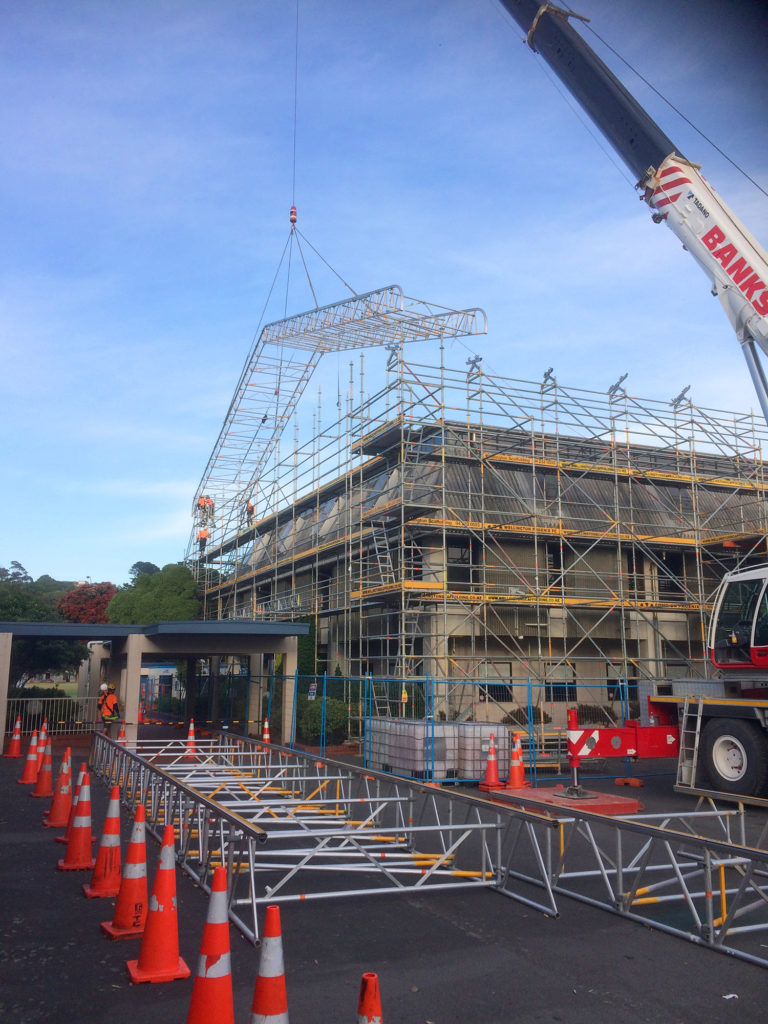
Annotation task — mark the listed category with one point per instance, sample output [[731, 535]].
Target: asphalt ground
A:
[[444, 958]]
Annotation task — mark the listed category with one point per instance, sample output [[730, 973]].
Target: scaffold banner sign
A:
[[312, 691]]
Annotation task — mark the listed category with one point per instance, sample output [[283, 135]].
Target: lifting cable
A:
[[295, 235], [679, 112]]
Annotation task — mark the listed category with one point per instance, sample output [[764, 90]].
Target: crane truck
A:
[[718, 728]]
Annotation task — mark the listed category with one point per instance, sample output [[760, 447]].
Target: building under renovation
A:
[[483, 531]]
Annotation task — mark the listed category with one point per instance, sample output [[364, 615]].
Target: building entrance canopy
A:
[[122, 647]]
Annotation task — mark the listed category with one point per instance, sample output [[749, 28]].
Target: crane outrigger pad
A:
[[545, 799]]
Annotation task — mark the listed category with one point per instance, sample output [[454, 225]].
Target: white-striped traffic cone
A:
[[212, 990], [270, 1001]]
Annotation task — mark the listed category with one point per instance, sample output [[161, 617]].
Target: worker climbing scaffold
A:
[[203, 536]]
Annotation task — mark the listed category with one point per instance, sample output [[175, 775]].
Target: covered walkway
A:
[[115, 654]]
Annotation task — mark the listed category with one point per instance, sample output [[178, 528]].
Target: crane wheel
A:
[[735, 756]]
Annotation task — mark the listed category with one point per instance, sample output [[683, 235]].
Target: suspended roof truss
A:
[[279, 367]]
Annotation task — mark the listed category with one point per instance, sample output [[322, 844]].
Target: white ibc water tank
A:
[[474, 744]]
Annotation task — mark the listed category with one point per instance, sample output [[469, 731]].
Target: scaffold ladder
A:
[[410, 632], [380, 695], [690, 733], [384, 567]]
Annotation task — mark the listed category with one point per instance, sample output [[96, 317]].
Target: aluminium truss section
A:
[[273, 380], [690, 874], [289, 826]]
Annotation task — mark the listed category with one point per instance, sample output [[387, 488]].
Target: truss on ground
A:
[[289, 826]]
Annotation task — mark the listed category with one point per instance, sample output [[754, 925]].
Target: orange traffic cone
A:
[[121, 734], [265, 734], [14, 747], [58, 815], [212, 991], [105, 881], [73, 808], [270, 1001], [44, 783], [131, 908], [491, 780], [516, 768], [369, 1003], [42, 739], [140, 715], [78, 855], [191, 749], [159, 958], [29, 775]]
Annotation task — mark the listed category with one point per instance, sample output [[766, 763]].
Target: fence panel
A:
[[66, 715]]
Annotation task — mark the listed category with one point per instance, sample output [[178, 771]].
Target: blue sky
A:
[[146, 173]]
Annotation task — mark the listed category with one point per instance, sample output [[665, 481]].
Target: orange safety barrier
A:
[[14, 747], [491, 780], [57, 816], [212, 998], [105, 881], [78, 853], [159, 958], [369, 1003], [130, 914], [270, 1000], [44, 781], [29, 775]]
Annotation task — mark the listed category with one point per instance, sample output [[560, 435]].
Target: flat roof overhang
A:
[[213, 628]]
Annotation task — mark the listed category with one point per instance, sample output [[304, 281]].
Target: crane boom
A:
[[680, 197]]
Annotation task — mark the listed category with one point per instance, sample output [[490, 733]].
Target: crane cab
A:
[[738, 632]]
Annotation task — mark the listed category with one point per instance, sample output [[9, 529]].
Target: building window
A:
[[559, 686], [614, 689]]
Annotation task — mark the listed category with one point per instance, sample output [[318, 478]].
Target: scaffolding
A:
[[480, 529]]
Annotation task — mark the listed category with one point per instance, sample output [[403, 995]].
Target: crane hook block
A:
[[293, 215]]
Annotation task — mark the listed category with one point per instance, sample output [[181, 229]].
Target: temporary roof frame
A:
[[278, 369]]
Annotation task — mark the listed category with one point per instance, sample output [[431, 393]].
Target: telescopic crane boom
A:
[[678, 195]]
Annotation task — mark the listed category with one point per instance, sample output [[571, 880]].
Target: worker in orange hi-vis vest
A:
[[108, 706], [249, 510], [202, 540]]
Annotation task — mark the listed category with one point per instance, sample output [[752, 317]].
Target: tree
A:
[[169, 595], [87, 603], [142, 569], [305, 649], [20, 604], [20, 601], [16, 574], [309, 719], [40, 656], [49, 589]]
